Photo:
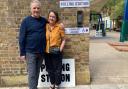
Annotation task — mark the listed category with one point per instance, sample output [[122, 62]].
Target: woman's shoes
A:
[[56, 87], [52, 87]]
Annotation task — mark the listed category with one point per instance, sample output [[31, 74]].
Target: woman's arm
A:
[[62, 44]]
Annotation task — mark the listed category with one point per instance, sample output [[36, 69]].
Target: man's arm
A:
[[22, 35]]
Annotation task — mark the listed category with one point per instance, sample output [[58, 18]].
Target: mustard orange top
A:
[[54, 36]]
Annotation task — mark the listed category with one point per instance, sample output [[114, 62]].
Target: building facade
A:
[[12, 70]]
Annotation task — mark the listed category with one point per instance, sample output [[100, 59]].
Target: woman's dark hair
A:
[[56, 14]]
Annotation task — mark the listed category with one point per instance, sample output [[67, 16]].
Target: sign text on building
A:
[[74, 3], [77, 30]]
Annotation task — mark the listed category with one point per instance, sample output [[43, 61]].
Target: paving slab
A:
[[123, 86], [118, 43], [121, 48], [104, 87]]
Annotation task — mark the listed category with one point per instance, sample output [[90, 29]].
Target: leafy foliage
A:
[[115, 7]]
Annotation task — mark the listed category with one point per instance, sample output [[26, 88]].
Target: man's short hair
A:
[[35, 1]]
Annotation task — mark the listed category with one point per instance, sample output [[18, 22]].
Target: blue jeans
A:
[[34, 62]]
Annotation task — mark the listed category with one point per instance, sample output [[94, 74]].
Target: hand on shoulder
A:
[[62, 25], [22, 58]]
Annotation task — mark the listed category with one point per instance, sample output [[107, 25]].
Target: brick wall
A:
[[11, 14]]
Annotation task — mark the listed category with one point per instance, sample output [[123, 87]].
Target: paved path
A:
[[107, 65]]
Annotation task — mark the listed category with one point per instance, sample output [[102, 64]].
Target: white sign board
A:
[[68, 75], [74, 3], [98, 33], [77, 30]]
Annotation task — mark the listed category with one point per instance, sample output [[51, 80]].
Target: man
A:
[[32, 42]]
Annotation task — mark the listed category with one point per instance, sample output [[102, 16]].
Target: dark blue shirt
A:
[[32, 35]]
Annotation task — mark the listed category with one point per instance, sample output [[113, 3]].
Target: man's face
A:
[[35, 10]]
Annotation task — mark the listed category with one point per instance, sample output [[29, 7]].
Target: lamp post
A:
[[124, 30]]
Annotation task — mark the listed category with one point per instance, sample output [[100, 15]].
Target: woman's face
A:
[[52, 18]]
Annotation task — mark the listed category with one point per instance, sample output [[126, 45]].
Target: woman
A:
[[55, 38]]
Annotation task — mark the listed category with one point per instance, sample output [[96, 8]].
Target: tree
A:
[[115, 8]]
